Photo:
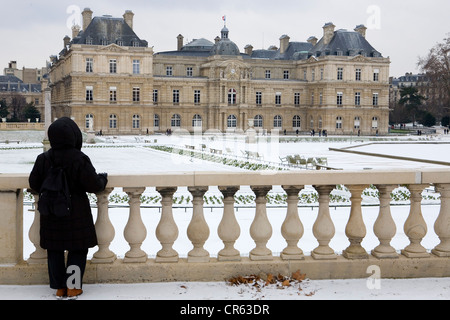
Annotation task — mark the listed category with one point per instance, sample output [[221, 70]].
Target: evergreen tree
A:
[[3, 109]]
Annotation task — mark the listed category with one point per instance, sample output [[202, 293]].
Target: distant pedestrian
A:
[[74, 233]]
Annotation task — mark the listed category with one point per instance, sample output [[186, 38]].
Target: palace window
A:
[[89, 94], [339, 98], [340, 73], [155, 96], [358, 75], [113, 121], [156, 121], [89, 65], [197, 121], [376, 75], [286, 74], [297, 98], [357, 98], [277, 122], [89, 119], [375, 99], [176, 96], [136, 66], [268, 74], [169, 71], [113, 66], [136, 94], [296, 122], [258, 98], [113, 94], [175, 122], [313, 75], [232, 121], [339, 123], [374, 123], [357, 123], [189, 72], [232, 96], [136, 121], [196, 96], [278, 98], [258, 121]]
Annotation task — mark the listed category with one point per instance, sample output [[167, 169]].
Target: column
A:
[[135, 231], [39, 256], [105, 230], [415, 226], [11, 226], [229, 230], [261, 229], [292, 228], [323, 228], [198, 230], [442, 225], [167, 230], [355, 229], [384, 227]]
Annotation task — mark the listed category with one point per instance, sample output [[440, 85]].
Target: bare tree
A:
[[436, 65]]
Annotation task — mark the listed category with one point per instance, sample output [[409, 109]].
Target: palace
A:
[[109, 79]]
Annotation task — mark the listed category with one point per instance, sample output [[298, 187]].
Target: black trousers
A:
[[59, 273]]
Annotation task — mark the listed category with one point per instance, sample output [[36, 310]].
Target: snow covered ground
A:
[[128, 155]]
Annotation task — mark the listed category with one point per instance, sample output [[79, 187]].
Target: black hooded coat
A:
[[77, 231]]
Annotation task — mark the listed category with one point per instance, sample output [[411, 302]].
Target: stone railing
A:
[[324, 262], [22, 126]]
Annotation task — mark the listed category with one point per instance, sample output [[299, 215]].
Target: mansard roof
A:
[[106, 30], [345, 43]]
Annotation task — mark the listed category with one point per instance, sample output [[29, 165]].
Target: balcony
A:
[[324, 262]]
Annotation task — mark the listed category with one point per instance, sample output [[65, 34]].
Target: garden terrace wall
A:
[[198, 265]]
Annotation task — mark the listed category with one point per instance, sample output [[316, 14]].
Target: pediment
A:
[[113, 48], [312, 59], [360, 58]]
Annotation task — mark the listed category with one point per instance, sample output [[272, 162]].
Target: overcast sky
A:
[[31, 31]]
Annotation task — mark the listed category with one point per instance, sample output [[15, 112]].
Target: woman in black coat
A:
[[76, 232]]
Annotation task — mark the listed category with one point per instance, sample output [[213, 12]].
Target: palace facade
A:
[[109, 79]]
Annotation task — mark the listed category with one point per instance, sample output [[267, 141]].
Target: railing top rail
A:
[[263, 178]]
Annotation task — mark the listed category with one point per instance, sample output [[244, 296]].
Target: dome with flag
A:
[[225, 46]]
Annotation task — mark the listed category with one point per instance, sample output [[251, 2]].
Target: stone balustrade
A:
[[324, 262]]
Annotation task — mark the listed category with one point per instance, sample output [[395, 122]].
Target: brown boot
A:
[[73, 293], [61, 293]]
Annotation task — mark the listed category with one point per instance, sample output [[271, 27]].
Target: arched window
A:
[[357, 123], [277, 122], [113, 121], [296, 122], [232, 96], [374, 123], [176, 121], [320, 123], [197, 121], [136, 121], [258, 122], [232, 121], [89, 121]]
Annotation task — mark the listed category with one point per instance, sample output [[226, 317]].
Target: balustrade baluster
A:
[[261, 229], [39, 256], [135, 231], [355, 229], [105, 230], [442, 225], [384, 227], [323, 228], [198, 230], [167, 230], [292, 228], [229, 230], [415, 226]]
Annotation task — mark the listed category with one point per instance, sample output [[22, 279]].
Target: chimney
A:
[[128, 17], [66, 41], [75, 31], [248, 49], [284, 43], [313, 40], [180, 40], [87, 18], [328, 32], [361, 29]]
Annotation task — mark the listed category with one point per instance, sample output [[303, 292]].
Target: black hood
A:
[[64, 133]]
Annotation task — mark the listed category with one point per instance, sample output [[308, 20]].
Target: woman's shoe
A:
[[61, 293], [74, 293]]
